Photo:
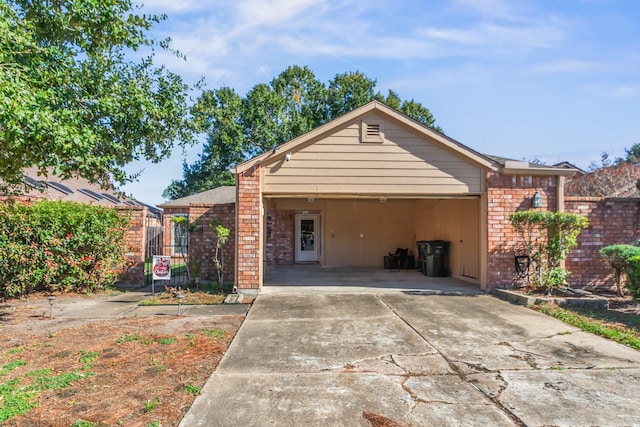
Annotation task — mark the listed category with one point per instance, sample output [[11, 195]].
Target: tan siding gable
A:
[[403, 163]]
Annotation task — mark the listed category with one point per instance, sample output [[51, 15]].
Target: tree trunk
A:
[[618, 285]]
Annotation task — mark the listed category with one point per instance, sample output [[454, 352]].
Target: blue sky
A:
[[527, 79]]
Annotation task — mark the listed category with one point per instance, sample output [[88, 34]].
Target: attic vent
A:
[[372, 131]]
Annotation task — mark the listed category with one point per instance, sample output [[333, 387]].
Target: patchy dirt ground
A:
[[134, 371]]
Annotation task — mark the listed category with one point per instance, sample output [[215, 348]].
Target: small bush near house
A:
[[619, 256], [547, 238], [59, 246], [634, 277]]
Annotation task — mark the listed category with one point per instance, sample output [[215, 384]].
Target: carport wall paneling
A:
[[611, 221], [507, 194], [248, 270]]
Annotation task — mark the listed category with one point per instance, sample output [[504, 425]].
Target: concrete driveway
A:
[[415, 359]]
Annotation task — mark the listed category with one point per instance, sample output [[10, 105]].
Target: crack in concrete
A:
[[454, 368], [475, 366], [502, 388]]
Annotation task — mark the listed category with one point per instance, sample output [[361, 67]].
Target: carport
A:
[[355, 189], [374, 180]]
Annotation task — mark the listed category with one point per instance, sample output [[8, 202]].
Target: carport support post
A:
[[249, 213]]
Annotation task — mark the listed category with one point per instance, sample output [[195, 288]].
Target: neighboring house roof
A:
[[217, 196], [569, 165], [498, 164], [76, 189]]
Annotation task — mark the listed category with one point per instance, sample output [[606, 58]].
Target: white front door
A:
[[307, 238]]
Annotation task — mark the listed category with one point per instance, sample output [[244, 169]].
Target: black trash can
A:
[[436, 258]]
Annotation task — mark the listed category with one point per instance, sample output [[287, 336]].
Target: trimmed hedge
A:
[[633, 271], [59, 246], [619, 257]]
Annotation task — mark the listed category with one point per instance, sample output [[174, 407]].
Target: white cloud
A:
[[566, 66], [492, 8], [256, 13], [174, 6], [626, 91]]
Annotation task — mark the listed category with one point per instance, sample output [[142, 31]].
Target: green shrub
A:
[[633, 271], [618, 257], [59, 246], [547, 238]]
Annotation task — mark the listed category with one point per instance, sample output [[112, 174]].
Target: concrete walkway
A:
[[319, 359], [123, 304]]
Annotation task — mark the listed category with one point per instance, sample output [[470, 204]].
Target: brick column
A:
[[507, 194], [135, 241], [249, 255]]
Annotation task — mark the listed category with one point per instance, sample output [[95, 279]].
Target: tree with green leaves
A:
[[633, 154], [221, 235], [291, 104], [74, 99]]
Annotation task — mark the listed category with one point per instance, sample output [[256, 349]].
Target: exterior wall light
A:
[[287, 157], [536, 200], [310, 199], [383, 200]]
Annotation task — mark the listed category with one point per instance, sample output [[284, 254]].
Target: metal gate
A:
[[168, 235]]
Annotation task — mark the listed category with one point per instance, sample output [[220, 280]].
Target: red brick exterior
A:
[[611, 221], [280, 238], [249, 232], [507, 194], [202, 240], [134, 239]]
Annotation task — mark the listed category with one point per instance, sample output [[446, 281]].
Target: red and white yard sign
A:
[[161, 267]]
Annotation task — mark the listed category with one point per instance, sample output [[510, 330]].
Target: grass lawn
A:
[[620, 327]]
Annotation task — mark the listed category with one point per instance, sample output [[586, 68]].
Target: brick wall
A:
[[202, 239], [280, 237], [134, 239], [249, 232], [611, 220], [507, 194]]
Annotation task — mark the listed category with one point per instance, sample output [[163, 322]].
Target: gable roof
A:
[[217, 196], [491, 162]]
